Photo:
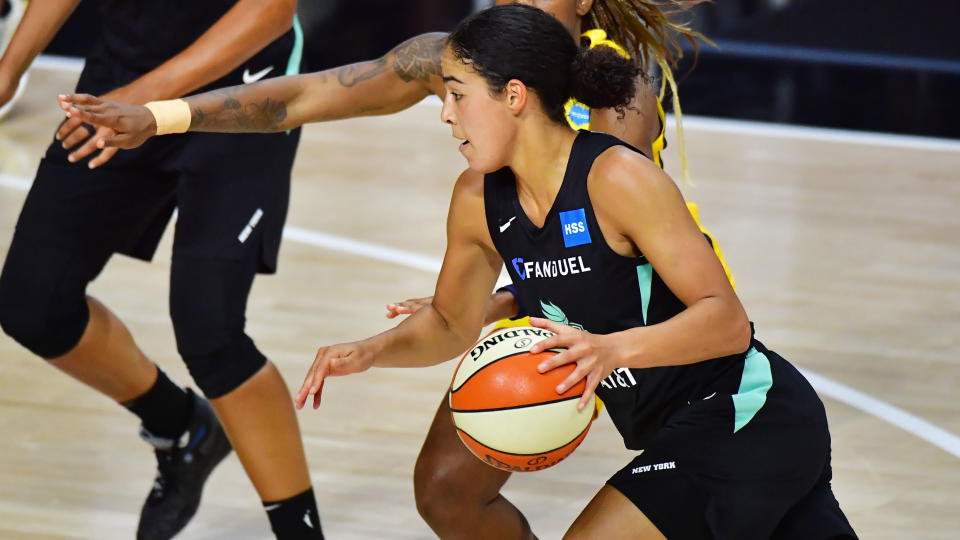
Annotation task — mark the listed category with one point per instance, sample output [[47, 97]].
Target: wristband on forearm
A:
[[171, 116], [512, 289]]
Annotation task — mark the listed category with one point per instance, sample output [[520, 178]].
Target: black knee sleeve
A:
[[208, 298], [42, 300], [49, 330], [221, 371]]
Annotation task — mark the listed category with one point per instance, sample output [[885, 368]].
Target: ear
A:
[[516, 95], [583, 7]]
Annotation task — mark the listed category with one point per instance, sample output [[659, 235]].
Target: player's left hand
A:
[[595, 356], [335, 360], [72, 131]]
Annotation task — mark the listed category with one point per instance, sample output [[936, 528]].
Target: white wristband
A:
[[172, 115]]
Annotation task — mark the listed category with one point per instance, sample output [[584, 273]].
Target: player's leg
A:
[[457, 494], [107, 359], [265, 434], [611, 515], [73, 220], [71, 223], [232, 196], [208, 298]]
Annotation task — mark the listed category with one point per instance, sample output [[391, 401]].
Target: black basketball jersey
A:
[[566, 272], [136, 36]]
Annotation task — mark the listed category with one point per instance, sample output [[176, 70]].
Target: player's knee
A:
[[47, 327], [440, 491], [225, 368]]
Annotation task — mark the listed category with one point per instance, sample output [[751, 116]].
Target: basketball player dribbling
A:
[[735, 441], [454, 492], [252, 109], [86, 205]]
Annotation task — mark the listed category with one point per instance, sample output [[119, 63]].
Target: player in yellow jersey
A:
[[456, 494]]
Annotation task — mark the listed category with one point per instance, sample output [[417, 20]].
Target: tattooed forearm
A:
[[357, 73], [419, 57], [265, 115]]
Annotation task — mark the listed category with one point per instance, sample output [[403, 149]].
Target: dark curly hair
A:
[[521, 42]]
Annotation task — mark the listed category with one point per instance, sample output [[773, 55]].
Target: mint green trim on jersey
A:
[[296, 54], [645, 279], [754, 384], [553, 313]]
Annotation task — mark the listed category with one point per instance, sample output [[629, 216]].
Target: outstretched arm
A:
[[447, 326], [402, 77], [394, 82]]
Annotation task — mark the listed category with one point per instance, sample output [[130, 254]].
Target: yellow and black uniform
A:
[[733, 447], [231, 192]]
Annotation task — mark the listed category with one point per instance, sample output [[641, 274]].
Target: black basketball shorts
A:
[[699, 478]]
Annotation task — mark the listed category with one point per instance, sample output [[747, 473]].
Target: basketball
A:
[[509, 414]]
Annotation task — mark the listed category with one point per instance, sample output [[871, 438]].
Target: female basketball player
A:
[[735, 441], [454, 492]]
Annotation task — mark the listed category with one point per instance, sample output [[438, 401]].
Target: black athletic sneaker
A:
[[182, 469]]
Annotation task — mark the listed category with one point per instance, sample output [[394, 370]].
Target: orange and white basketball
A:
[[509, 414]]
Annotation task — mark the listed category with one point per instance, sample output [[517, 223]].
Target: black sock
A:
[[295, 518], [164, 409]]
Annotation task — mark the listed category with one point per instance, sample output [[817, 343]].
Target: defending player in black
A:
[[231, 193]]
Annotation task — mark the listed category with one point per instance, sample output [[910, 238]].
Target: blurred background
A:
[[878, 65]]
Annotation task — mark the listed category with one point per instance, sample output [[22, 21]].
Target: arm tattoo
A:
[[419, 57], [231, 114], [357, 73], [416, 58]]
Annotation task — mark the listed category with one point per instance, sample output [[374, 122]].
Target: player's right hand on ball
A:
[[332, 361], [133, 124]]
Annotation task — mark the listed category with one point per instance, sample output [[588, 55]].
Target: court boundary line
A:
[[891, 414]]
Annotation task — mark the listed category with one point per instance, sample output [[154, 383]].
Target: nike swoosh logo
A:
[[249, 78], [506, 225], [271, 507]]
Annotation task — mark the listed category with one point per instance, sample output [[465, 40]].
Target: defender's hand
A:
[[332, 361], [129, 125], [74, 135]]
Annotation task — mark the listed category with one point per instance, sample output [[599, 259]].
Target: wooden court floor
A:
[[846, 253]]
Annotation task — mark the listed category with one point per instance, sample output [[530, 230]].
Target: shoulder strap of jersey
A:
[[588, 146], [497, 188]]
